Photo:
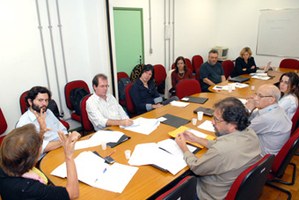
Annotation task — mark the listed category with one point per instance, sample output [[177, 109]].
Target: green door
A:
[[128, 32]]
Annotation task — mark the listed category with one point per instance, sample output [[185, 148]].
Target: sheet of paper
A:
[[179, 104], [98, 138], [93, 170], [244, 101], [172, 147], [207, 125], [116, 178], [181, 129], [240, 85], [161, 119], [144, 125], [150, 153]]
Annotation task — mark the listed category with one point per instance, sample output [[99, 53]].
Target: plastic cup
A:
[[104, 145], [230, 88], [199, 115], [252, 87], [128, 154], [194, 121]]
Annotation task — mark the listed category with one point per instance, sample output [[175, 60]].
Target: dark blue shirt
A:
[[141, 95], [241, 64], [212, 72]]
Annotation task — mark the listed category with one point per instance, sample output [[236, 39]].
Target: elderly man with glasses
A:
[[102, 108], [268, 120]]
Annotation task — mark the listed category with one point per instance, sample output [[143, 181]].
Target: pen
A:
[[104, 170], [111, 153]]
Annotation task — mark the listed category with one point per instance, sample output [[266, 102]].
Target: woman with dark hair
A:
[[181, 72], [289, 87], [144, 93], [19, 179], [245, 63]]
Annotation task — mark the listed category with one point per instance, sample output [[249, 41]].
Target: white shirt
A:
[[100, 110], [51, 121], [289, 103], [272, 126]]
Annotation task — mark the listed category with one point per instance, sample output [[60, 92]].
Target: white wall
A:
[[198, 25], [21, 61]]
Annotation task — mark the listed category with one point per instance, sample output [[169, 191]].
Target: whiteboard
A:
[[278, 33]]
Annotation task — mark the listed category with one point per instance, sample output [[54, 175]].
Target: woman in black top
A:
[[245, 63], [19, 154]]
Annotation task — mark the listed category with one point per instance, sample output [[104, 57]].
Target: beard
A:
[[38, 109], [218, 133]]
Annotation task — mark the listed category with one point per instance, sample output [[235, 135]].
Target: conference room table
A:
[[247, 91], [148, 180]]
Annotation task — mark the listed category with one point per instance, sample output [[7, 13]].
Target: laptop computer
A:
[[239, 79], [206, 111]]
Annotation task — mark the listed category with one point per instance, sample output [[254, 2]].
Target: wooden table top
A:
[[148, 180]]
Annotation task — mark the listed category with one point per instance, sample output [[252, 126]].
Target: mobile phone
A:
[[109, 160]]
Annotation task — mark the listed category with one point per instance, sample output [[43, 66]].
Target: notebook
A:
[[200, 100], [174, 121], [206, 111], [239, 79]]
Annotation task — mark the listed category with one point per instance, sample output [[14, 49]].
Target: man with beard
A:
[[37, 101], [235, 149], [211, 72]]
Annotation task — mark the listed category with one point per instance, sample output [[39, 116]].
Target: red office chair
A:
[[189, 64], [121, 75], [85, 122], [295, 121], [197, 61], [289, 63], [67, 93], [129, 101], [184, 190], [23, 107], [281, 161], [228, 67], [187, 87], [250, 183], [160, 76], [3, 125]]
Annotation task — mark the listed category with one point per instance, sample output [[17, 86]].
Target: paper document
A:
[[93, 170], [244, 101], [98, 138], [172, 147], [207, 125], [195, 132], [179, 104], [151, 154], [143, 125]]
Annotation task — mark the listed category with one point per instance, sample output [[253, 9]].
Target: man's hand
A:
[[126, 122], [157, 105], [41, 119], [181, 141]]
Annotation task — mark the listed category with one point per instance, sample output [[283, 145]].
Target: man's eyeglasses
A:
[[217, 120], [104, 86], [262, 96]]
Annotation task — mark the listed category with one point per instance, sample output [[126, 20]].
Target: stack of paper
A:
[[179, 104], [93, 170], [207, 125], [98, 138], [151, 154], [261, 76], [195, 132], [143, 125]]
